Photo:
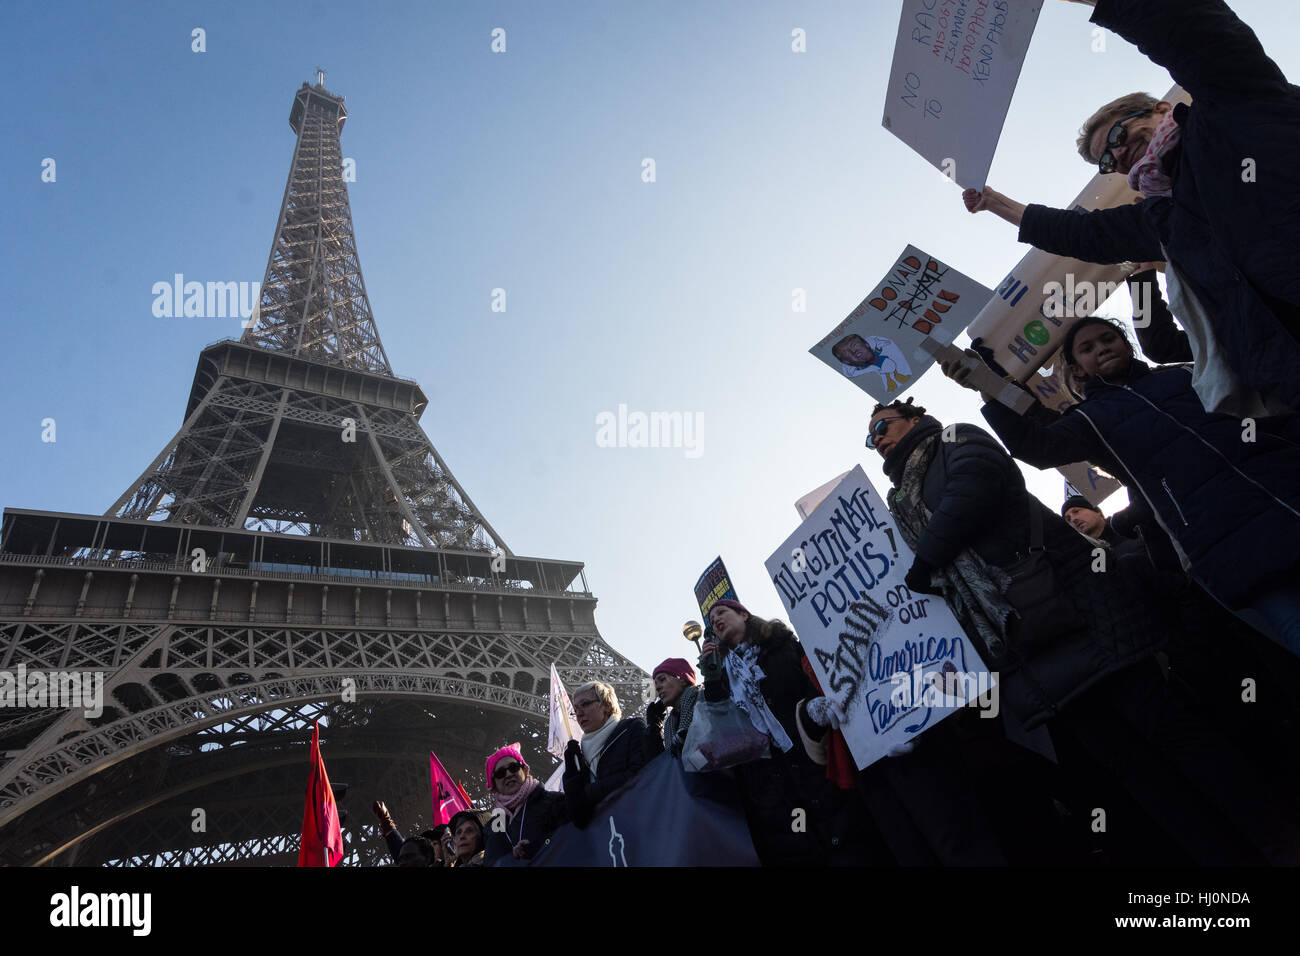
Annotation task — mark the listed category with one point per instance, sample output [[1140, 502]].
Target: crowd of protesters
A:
[[1165, 690]]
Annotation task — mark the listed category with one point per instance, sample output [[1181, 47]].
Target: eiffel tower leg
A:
[[256, 482], [393, 486]]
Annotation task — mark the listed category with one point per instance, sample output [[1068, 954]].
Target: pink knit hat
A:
[[677, 667], [511, 751]]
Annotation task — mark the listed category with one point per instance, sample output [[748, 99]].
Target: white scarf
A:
[[743, 673], [594, 743]]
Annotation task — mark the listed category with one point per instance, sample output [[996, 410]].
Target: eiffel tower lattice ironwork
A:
[[298, 551]]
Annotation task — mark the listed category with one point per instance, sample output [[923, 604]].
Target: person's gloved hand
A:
[[899, 749], [958, 371], [386, 824], [710, 663], [574, 762], [654, 712], [825, 712], [918, 578]]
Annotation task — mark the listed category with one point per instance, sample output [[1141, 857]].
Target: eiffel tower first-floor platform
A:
[[219, 646]]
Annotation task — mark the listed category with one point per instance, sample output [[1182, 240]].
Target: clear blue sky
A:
[[519, 171]]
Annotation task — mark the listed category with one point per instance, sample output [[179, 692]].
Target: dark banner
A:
[[664, 816]]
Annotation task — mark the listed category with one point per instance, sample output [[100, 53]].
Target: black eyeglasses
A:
[[879, 428], [505, 770], [1115, 139]]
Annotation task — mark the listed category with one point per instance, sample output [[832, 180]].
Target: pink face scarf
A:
[[1148, 175]]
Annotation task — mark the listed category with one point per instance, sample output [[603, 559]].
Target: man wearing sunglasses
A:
[[1221, 180]]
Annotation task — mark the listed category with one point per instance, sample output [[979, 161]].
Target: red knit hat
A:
[[677, 667]]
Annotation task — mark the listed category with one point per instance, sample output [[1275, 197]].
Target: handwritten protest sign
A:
[[713, 586], [897, 663], [879, 347], [956, 64]]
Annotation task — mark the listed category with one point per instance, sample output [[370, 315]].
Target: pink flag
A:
[[448, 796]]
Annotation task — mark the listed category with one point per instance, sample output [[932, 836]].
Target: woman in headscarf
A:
[[676, 687], [524, 813]]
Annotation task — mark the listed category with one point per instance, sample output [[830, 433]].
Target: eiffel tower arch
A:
[[297, 551]]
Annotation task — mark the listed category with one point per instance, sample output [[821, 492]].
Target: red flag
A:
[[322, 839], [448, 796]]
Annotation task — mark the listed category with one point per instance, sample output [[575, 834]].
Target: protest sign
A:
[[956, 64], [896, 663], [663, 816], [809, 502], [880, 346], [1026, 319], [714, 585]]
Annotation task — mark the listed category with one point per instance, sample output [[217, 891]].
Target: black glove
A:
[[986, 354], [918, 578], [655, 711], [574, 762]]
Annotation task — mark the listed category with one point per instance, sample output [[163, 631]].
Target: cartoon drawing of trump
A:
[[858, 355]]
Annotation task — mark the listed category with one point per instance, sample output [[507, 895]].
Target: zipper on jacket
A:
[[1197, 435], [1169, 492]]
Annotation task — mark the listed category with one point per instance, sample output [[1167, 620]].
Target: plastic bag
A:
[[721, 736]]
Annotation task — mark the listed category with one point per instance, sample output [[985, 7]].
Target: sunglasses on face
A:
[[1114, 139], [505, 770], [878, 430]]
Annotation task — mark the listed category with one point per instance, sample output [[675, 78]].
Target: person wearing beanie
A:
[[676, 687], [524, 813], [1087, 519]]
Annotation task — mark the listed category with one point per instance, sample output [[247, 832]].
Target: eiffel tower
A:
[[297, 551]]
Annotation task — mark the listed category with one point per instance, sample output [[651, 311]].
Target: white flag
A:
[[563, 727]]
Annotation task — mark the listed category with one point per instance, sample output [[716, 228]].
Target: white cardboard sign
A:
[[956, 63], [897, 663]]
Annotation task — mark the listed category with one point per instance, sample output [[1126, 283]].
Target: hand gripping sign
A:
[[897, 663]]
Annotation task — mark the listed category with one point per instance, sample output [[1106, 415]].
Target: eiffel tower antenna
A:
[[297, 551], [320, 77]]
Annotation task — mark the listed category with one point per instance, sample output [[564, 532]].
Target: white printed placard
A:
[[880, 346], [896, 663], [956, 64]]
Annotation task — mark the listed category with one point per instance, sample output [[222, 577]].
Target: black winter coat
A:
[[977, 499], [1235, 237], [541, 816], [1232, 506], [773, 788], [620, 759]]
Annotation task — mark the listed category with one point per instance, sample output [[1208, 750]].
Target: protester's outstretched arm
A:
[[990, 200], [1128, 233], [1063, 442], [1160, 338], [1206, 49]]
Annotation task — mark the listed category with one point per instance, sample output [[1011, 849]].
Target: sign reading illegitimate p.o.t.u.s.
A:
[[895, 663], [956, 63], [879, 346]]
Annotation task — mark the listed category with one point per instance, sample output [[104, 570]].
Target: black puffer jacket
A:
[[978, 500], [541, 815], [1232, 505], [1236, 237]]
